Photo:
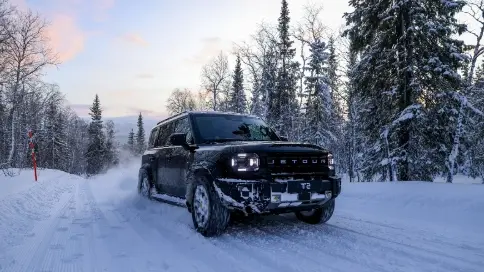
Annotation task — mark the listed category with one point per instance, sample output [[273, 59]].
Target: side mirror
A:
[[284, 138], [178, 139], [181, 140]]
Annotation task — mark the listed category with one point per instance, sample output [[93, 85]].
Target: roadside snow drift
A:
[[66, 223]]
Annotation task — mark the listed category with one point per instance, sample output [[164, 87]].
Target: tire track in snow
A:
[[290, 237], [429, 259], [364, 246], [430, 240], [177, 237], [411, 240]]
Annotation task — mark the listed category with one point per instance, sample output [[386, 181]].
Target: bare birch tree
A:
[[26, 54], [214, 75]]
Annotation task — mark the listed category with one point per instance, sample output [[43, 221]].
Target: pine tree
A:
[[319, 123], [238, 101], [409, 60], [52, 137], [131, 145], [111, 145], [78, 141], [140, 136], [3, 122], [96, 148], [283, 104]]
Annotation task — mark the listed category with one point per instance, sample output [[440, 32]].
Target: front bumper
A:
[[278, 196]]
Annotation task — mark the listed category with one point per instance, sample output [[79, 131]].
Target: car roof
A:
[[186, 113]]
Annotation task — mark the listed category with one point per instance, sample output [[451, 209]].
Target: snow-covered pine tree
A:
[[62, 154], [47, 139], [78, 140], [3, 123], [333, 77], [112, 156], [261, 60], [238, 100], [475, 126], [140, 136], [131, 144], [96, 148], [336, 108], [319, 124], [465, 113], [354, 106], [267, 88], [409, 57], [283, 103]]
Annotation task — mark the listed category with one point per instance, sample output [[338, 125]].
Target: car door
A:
[[180, 159], [161, 145], [151, 153]]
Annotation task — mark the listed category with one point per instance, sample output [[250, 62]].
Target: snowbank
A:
[[24, 203], [24, 179]]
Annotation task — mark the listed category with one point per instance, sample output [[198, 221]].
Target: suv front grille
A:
[[291, 164]]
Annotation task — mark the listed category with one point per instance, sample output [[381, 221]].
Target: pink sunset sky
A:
[[134, 53]]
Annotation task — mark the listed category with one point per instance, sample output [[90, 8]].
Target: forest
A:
[[397, 94]]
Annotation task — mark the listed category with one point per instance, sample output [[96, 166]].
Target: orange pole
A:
[[35, 165], [31, 145]]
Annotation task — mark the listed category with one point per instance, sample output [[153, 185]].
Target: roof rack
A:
[[202, 112], [171, 117]]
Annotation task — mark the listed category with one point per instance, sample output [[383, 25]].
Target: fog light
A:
[[244, 191], [328, 194], [276, 198]]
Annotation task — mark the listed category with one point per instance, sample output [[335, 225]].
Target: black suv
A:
[[226, 164]]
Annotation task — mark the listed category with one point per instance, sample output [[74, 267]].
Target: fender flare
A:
[[191, 177], [145, 168]]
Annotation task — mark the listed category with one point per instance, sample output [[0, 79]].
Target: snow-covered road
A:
[[65, 223]]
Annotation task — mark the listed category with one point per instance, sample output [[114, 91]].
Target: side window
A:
[[153, 135], [165, 131], [183, 126]]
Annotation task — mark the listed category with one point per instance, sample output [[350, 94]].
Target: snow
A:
[[67, 223]]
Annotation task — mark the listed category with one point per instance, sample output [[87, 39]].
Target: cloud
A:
[[211, 46], [134, 38], [66, 38], [105, 4], [145, 76], [100, 7]]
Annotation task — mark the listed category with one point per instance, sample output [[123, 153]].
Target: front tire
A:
[[318, 215], [210, 217], [145, 185]]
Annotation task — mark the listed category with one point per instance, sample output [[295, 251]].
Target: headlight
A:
[[330, 161], [245, 162]]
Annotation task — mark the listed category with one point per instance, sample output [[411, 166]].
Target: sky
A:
[[134, 53]]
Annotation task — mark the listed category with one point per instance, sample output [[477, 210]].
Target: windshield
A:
[[212, 128]]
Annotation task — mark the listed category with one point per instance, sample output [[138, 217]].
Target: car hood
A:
[[263, 147]]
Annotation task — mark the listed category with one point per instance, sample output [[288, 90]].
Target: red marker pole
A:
[[31, 145]]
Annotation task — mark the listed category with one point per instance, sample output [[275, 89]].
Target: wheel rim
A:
[[145, 187], [201, 206]]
